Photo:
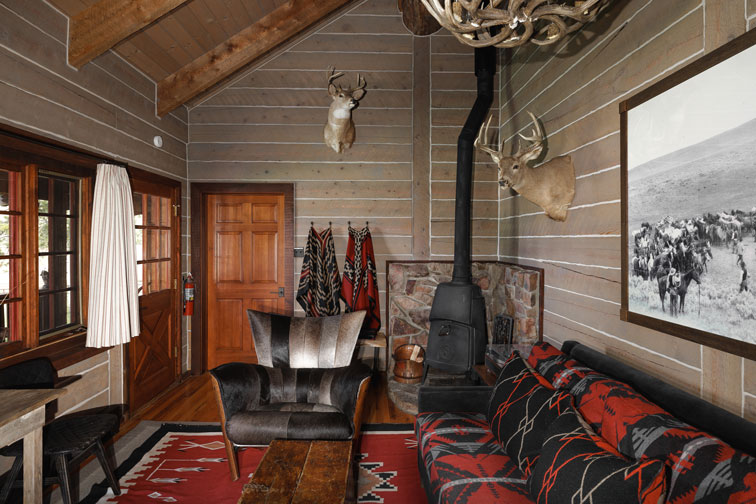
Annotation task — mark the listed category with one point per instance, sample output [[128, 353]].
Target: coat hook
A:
[[367, 223], [312, 223], [349, 223], [329, 223]]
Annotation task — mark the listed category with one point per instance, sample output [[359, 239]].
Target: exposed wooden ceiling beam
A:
[[106, 23], [240, 50]]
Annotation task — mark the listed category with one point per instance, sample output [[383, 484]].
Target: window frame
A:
[[74, 251], [30, 155]]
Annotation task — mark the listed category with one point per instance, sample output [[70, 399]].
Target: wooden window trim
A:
[[25, 152]]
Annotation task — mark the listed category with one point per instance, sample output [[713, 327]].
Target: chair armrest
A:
[[473, 399], [237, 387], [345, 387]]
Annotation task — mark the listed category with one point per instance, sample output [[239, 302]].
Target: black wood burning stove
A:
[[457, 338]]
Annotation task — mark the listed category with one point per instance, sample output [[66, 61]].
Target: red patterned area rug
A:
[[187, 464]]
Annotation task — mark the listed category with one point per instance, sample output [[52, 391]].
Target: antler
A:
[[483, 135], [361, 84], [534, 149], [331, 76]]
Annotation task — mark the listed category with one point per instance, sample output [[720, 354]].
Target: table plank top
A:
[[297, 472], [16, 403]]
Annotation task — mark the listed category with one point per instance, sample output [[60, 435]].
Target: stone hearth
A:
[[507, 288]]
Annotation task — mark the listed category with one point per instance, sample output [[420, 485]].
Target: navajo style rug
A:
[[187, 464]]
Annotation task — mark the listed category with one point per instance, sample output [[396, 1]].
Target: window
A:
[[152, 223], [10, 256], [45, 206], [58, 230]]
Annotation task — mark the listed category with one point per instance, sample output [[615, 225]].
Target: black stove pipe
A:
[[485, 68]]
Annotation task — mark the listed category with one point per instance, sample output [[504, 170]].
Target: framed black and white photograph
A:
[[689, 201]]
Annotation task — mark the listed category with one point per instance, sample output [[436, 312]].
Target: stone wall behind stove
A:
[[508, 289]]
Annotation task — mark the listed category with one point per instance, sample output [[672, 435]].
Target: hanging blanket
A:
[[319, 282], [359, 288]]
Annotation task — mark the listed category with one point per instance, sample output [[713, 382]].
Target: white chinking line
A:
[[275, 54], [630, 91], [609, 134], [87, 91], [152, 99], [90, 398], [617, 338], [599, 45], [133, 162]]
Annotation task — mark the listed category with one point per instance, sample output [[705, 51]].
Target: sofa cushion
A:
[[288, 421], [520, 410], [305, 342], [557, 367], [463, 462], [443, 429], [577, 465], [703, 468]]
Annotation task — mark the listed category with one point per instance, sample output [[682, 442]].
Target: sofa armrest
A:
[[473, 399], [237, 387]]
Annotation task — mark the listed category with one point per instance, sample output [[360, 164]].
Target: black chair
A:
[[304, 387], [66, 440]]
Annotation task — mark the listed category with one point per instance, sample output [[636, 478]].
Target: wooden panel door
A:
[[245, 269], [153, 356]]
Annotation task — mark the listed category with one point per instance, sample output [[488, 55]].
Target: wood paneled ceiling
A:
[[185, 46]]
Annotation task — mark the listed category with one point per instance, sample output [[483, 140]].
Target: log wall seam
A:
[[576, 95]]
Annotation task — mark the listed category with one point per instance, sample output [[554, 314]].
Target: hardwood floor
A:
[[193, 401]]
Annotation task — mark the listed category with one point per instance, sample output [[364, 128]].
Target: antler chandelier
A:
[[510, 23]]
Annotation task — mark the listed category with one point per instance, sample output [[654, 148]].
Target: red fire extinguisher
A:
[[189, 294]]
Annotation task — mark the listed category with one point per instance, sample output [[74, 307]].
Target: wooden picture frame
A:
[[688, 145]]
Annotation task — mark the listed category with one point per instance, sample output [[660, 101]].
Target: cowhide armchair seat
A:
[[304, 386]]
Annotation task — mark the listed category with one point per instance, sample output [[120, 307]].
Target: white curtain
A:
[[113, 296]]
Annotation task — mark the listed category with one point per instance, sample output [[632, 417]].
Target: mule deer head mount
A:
[[339, 129], [550, 185]]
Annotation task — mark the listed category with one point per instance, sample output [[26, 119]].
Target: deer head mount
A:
[[550, 185], [339, 130]]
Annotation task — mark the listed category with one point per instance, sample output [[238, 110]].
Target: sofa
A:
[[577, 426]]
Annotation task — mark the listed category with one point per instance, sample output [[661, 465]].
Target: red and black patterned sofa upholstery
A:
[[598, 425]]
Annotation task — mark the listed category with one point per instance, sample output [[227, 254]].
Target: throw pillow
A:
[[305, 342], [556, 366], [703, 468], [576, 465], [590, 394], [520, 409]]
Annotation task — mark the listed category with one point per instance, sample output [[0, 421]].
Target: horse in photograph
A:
[[682, 289]]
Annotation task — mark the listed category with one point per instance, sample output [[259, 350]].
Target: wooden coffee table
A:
[[302, 472]]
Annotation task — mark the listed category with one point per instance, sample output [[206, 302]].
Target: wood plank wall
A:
[[267, 126], [575, 90], [453, 92], [106, 107]]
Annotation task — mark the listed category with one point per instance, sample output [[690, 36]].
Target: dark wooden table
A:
[[22, 417], [302, 472]]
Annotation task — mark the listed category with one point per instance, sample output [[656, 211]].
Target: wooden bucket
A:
[[408, 363]]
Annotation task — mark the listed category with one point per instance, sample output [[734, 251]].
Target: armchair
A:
[[304, 387]]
